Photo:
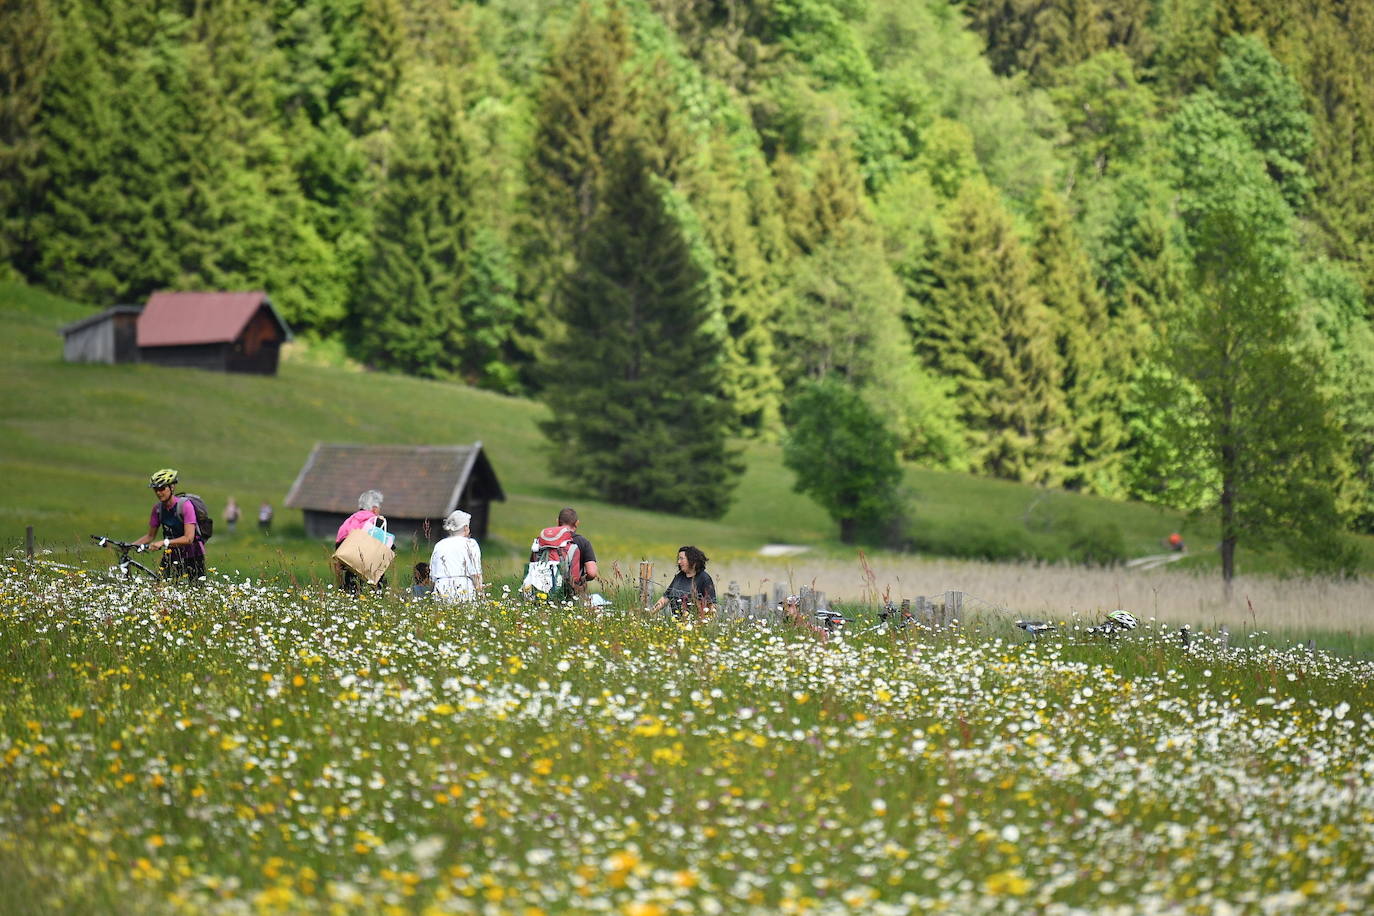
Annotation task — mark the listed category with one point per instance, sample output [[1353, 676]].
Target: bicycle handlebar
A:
[[103, 541]]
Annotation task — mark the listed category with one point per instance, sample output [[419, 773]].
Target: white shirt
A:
[[456, 559]]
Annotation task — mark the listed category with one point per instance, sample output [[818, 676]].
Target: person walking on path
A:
[[265, 517]]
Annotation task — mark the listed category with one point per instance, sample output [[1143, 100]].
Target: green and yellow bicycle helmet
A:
[[166, 477]]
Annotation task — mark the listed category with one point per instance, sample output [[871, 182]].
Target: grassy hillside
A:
[[81, 439]]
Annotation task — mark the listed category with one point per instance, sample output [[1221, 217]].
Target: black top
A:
[[584, 548], [699, 591]]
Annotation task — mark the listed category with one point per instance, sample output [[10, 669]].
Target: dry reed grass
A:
[[1057, 591]]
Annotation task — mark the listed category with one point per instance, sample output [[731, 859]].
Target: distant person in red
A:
[[1176, 543]]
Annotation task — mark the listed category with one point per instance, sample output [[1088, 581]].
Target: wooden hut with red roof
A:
[[220, 331], [420, 486]]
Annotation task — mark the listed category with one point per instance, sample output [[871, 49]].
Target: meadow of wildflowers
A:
[[246, 747]]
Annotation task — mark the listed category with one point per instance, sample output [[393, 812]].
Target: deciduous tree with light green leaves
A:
[[844, 457], [1235, 341]]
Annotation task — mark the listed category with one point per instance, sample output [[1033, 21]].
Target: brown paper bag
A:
[[368, 557]]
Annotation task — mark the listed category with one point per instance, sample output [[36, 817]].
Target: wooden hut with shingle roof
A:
[[108, 337], [220, 331], [420, 486]]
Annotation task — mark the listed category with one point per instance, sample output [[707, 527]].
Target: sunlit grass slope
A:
[[80, 440]]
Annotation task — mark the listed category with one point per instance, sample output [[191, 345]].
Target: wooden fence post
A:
[[954, 607], [732, 602], [28, 541], [923, 610]]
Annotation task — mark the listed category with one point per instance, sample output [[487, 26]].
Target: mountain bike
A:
[[125, 563]]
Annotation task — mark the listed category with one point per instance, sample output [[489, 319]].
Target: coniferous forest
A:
[[1123, 247]]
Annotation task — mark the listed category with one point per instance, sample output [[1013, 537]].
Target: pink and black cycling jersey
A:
[[187, 513]]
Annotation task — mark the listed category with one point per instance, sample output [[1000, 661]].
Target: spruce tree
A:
[[406, 302], [1095, 368], [986, 328], [116, 186], [247, 225], [583, 109], [1337, 70], [844, 310], [741, 223], [28, 44], [633, 381]]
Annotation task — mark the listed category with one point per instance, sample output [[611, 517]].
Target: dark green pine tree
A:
[[633, 381], [115, 185], [1096, 370], [27, 47], [247, 223], [583, 108], [1335, 70], [1041, 37], [743, 228], [405, 306], [986, 328]]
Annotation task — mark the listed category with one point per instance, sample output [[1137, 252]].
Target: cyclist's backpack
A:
[[205, 525], [556, 565]]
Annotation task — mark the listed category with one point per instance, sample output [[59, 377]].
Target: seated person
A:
[[692, 589], [420, 582]]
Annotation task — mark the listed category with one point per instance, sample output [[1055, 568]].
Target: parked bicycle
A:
[[1114, 624]]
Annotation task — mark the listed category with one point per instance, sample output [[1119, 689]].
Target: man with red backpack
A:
[[183, 530], [561, 560]]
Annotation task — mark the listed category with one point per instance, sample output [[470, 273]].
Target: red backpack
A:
[[555, 544]]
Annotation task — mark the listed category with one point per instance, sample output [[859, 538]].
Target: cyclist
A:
[[183, 553]]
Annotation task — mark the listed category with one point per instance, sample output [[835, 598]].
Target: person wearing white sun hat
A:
[[456, 564]]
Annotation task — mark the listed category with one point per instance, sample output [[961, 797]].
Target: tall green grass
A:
[[239, 748]]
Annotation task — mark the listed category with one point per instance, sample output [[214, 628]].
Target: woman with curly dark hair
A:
[[692, 589]]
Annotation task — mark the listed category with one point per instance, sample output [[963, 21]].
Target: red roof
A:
[[175, 319]]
